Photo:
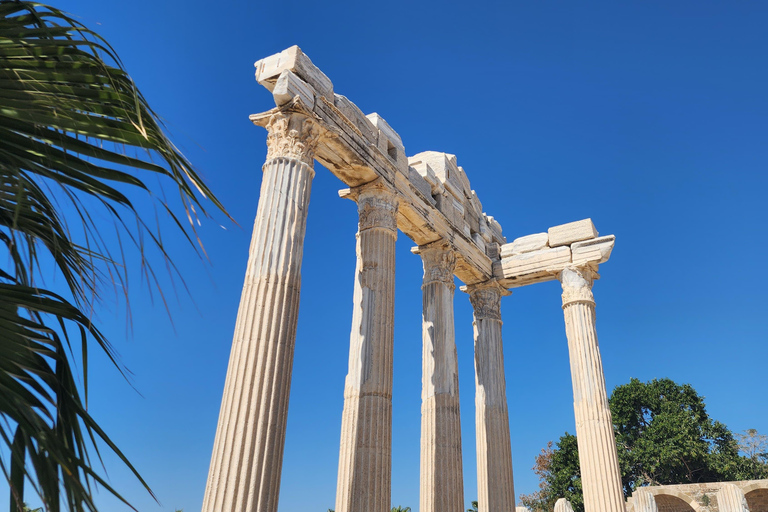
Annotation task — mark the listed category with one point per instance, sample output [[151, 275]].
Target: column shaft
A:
[[365, 458], [495, 486], [442, 481], [248, 450], [600, 476]]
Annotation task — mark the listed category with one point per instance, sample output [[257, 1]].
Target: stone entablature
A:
[[436, 200], [703, 497]]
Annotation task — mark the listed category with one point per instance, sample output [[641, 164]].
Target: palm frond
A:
[[74, 130]]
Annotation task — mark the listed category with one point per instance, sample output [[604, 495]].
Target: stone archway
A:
[[670, 503], [757, 500]]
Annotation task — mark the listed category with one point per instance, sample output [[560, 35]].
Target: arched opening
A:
[[757, 500], [667, 503]]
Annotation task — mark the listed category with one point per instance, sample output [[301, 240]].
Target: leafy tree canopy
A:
[[664, 436]]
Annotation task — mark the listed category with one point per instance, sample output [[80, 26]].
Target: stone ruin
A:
[[429, 198], [742, 496]]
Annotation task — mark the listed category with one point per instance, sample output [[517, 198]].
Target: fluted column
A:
[[600, 477], [442, 481], [563, 505], [247, 458], [495, 487], [731, 499], [644, 501], [365, 458]]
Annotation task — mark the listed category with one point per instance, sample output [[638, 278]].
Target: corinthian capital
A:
[[486, 299], [439, 262], [577, 285], [377, 205], [292, 135]]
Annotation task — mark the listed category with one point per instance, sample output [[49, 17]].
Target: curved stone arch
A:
[[754, 486], [681, 496]]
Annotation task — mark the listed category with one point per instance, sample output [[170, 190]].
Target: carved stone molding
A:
[[439, 263], [377, 207], [486, 299], [292, 135], [577, 285]]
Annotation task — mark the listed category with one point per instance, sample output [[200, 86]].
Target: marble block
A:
[[566, 234], [288, 86], [597, 250], [269, 69], [538, 261], [525, 244]]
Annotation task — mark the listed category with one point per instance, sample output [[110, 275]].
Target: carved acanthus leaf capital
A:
[[376, 205], [486, 299], [439, 263], [577, 285], [292, 135]]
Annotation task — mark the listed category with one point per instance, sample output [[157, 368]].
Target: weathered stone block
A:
[[389, 133], [495, 230], [478, 239], [524, 244], [597, 250], [476, 204], [446, 170], [538, 261], [566, 234], [268, 70], [420, 184], [288, 86], [472, 218], [356, 117]]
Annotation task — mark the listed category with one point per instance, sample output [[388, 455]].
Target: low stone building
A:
[[744, 496]]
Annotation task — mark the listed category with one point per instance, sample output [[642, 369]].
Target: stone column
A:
[[495, 487], [248, 450], [645, 502], [600, 477], [731, 499], [365, 458], [563, 505], [442, 481]]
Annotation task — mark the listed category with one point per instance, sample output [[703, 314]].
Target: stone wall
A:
[[703, 497]]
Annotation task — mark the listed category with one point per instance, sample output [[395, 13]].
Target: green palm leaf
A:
[[75, 135]]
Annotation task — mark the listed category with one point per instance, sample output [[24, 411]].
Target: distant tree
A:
[[755, 447], [401, 509], [542, 500], [473, 506], [663, 435]]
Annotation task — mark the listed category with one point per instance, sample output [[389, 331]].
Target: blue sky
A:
[[649, 117]]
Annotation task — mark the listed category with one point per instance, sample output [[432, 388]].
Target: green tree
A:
[[78, 142], [663, 435], [401, 509], [473, 506]]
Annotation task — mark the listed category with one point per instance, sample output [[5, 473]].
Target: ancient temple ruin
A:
[[429, 198]]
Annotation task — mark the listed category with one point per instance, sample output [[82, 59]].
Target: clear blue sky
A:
[[650, 117]]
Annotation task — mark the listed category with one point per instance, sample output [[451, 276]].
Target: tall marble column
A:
[[731, 499], [495, 486], [365, 458], [600, 477], [248, 451], [442, 481]]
